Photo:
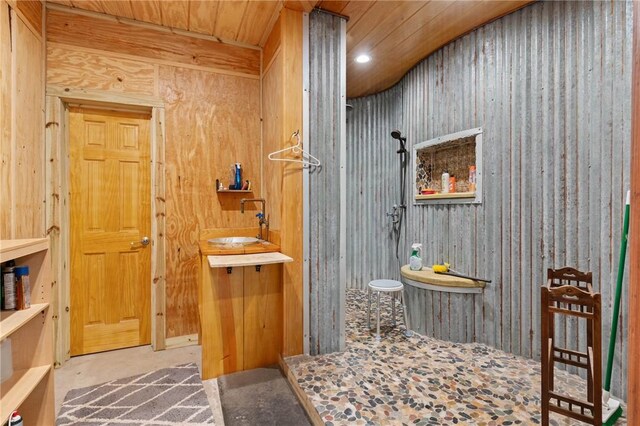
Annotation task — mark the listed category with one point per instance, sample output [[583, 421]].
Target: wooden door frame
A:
[[57, 180]]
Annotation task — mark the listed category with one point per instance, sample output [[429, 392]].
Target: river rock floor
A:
[[419, 380]]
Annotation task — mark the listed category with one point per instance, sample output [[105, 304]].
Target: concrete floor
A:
[[88, 370], [260, 397]]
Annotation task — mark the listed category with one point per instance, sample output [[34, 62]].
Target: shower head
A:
[[397, 135]]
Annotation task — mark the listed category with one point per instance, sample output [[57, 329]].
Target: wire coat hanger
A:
[[296, 149]]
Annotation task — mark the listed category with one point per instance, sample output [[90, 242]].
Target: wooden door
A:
[[110, 215]]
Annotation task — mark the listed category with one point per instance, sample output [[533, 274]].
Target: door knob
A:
[[143, 242]]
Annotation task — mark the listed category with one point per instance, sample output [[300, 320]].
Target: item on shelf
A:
[[15, 419], [238, 176], [472, 178], [428, 191], [415, 261], [452, 184], [23, 287], [445, 182], [9, 280]]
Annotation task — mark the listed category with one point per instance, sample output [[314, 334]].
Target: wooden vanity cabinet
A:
[[262, 315], [240, 317]]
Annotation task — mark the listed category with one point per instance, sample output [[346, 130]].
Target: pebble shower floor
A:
[[422, 381]]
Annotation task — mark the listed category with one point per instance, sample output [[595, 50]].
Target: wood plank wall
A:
[[550, 85], [22, 151], [211, 94], [282, 109]]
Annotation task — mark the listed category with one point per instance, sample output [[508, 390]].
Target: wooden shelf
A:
[[30, 386], [13, 320], [13, 249], [448, 196], [18, 387], [241, 191], [229, 261]]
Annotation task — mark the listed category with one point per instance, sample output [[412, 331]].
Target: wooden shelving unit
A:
[[30, 388], [13, 320]]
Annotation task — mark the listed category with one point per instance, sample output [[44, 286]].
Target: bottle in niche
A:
[[445, 182], [472, 178], [452, 184]]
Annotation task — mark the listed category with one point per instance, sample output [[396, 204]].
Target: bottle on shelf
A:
[[445, 182], [9, 286], [472, 178], [15, 419], [415, 260], [23, 287]]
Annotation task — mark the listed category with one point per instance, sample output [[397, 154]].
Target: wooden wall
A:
[[211, 95], [22, 170], [282, 109]]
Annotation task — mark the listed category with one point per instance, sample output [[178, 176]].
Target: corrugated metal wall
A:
[[373, 170], [326, 313], [550, 85]]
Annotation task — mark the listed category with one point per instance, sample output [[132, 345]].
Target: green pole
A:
[[616, 305]]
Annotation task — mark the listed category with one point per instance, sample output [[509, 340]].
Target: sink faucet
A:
[[262, 219]]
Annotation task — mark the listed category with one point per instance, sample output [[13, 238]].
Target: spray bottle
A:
[[415, 261], [15, 419]]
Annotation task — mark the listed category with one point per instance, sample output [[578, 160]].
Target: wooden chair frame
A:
[[570, 292]]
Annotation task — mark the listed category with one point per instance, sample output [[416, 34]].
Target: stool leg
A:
[[393, 308], [378, 318], [369, 310], [407, 331]]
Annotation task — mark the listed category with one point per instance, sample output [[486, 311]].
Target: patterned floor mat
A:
[[170, 396]]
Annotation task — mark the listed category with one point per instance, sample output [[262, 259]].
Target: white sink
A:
[[234, 240]]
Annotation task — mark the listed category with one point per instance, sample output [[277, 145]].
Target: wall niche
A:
[[459, 155]]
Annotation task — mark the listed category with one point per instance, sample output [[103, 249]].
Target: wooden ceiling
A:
[[247, 22], [396, 34]]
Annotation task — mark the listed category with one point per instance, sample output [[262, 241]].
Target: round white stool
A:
[[386, 286]]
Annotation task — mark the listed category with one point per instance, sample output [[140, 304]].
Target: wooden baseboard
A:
[[181, 341], [313, 414]]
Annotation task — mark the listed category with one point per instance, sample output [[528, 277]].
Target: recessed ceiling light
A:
[[361, 59]]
